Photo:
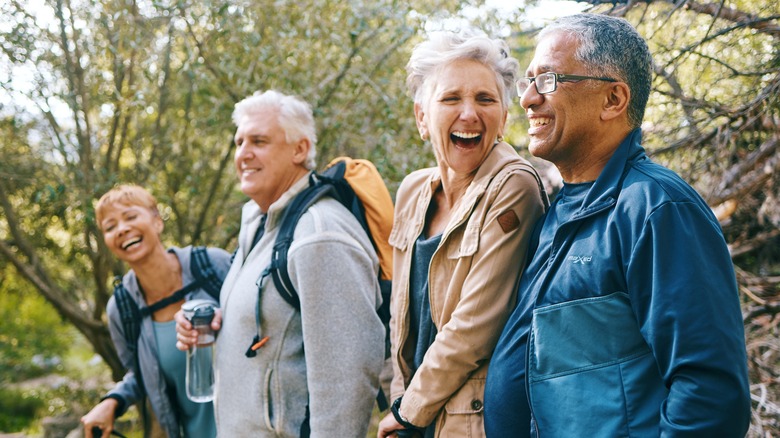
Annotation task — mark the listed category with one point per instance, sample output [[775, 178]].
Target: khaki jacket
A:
[[472, 285]]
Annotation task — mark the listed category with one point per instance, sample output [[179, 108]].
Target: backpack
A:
[[131, 315], [359, 187]]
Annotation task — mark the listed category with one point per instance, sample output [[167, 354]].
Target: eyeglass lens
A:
[[545, 83]]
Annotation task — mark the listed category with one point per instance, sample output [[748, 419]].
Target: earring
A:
[[500, 138], [423, 137]]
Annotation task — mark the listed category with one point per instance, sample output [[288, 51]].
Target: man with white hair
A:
[[281, 371]]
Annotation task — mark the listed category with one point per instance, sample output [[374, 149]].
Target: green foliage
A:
[[106, 92], [34, 337], [18, 409], [46, 369]]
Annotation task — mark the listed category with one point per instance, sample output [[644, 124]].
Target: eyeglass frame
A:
[[557, 77]]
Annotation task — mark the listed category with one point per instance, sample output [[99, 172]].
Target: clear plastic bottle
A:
[[199, 379]]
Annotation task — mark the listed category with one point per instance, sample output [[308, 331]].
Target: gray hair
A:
[[295, 117], [442, 48], [610, 46]]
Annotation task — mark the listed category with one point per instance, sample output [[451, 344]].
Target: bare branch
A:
[[764, 25], [226, 85], [677, 91], [753, 244], [718, 10], [50, 292], [162, 105], [747, 176], [213, 189]]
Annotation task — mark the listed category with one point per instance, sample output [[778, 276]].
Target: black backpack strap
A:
[[206, 278], [203, 271], [170, 299], [292, 215], [128, 313], [330, 183]]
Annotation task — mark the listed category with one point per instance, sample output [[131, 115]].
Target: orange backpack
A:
[[357, 184]]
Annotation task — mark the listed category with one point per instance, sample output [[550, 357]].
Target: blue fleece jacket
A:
[[628, 320]]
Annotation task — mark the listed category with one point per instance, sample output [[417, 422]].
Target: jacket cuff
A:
[[395, 409], [121, 406]]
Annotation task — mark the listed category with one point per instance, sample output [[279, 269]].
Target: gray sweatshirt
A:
[[328, 355]]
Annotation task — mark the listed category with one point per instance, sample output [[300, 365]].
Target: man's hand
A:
[[186, 336]]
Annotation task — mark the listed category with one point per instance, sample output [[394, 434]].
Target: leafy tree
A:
[[31, 329], [133, 91]]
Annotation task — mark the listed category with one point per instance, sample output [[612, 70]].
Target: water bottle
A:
[[199, 379]]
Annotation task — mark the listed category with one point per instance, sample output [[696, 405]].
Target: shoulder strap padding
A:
[[358, 186], [203, 271], [129, 314], [292, 215]]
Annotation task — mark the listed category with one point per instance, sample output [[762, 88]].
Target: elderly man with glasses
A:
[[628, 318]]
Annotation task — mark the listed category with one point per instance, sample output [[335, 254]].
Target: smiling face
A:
[[131, 231], [564, 123], [267, 164], [462, 115]]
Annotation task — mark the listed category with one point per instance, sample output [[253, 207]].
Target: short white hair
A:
[[295, 117], [444, 47]]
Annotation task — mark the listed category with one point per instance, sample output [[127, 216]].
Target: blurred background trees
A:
[[93, 93]]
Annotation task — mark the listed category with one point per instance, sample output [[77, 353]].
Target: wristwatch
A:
[[397, 414]]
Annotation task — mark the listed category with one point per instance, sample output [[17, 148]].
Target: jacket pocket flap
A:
[[467, 242], [468, 399]]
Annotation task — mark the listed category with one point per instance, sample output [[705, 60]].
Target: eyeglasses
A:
[[548, 82]]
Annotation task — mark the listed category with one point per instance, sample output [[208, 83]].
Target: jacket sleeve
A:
[[220, 260], [127, 391], [336, 279], [399, 317], [484, 297], [683, 289]]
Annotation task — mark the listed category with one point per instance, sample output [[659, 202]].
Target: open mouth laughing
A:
[[127, 244], [466, 139]]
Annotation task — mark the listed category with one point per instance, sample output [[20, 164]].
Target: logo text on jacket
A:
[[579, 259]]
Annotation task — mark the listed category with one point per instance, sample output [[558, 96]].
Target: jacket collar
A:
[[608, 185], [501, 155], [251, 214]]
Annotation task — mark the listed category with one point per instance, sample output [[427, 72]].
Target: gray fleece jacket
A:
[[327, 356]]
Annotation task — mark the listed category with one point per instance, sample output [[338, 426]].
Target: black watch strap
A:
[[401, 420]]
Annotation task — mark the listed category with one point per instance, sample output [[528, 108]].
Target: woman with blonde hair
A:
[[132, 227]]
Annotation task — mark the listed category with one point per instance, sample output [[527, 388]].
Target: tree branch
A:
[[748, 175], [215, 185], [742, 18], [226, 86]]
